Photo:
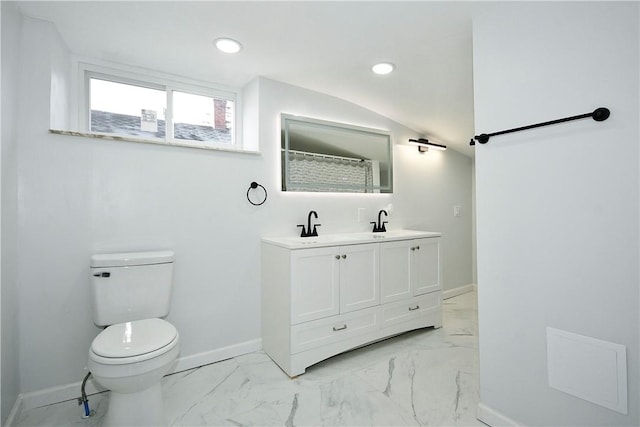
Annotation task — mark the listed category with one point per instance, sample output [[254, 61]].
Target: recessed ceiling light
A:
[[228, 45], [383, 68]]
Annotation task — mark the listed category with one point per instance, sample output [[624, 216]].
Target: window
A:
[[202, 118], [126, 109], [159, 110]]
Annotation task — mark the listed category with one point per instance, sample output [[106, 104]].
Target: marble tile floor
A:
[[427, 377]]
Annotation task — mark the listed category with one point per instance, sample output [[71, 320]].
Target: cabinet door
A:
[[359, 286], [314, 284], [426, 265], [395, 271]]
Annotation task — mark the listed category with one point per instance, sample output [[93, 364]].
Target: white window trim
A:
[[84, 69]]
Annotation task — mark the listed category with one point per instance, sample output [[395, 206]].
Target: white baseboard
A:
[[494, 418], [207, 357], [16, 410], [48, 396], [61, 393], [450, 293]]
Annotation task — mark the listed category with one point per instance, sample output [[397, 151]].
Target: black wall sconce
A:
[[424, 145]]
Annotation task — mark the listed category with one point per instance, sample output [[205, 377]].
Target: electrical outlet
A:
[[457, 210]]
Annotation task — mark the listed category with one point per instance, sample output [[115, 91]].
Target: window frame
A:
[[153, 80]]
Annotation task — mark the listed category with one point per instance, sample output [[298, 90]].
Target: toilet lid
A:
[[134, 338]]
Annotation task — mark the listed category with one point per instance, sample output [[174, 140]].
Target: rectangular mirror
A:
[[319, 155]]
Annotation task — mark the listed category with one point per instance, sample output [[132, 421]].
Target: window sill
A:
[[176, 143]]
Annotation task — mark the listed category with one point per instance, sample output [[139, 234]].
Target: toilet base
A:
[[143, 408]]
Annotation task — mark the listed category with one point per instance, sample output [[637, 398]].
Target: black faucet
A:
[[379, 227], [307, 232]]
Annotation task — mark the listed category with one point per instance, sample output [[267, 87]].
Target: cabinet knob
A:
[[418, 247], [414, 308], [339, 328], [103, 274], [413, 248], [344, 256], [337, 256]]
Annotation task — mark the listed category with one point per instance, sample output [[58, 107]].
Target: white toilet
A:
[[131, 292]]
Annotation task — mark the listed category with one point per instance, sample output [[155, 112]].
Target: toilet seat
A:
[[135, 341]]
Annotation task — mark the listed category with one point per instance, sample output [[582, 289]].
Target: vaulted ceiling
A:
[[324, 46]]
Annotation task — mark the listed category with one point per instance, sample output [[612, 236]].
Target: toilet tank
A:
[[131, 286]]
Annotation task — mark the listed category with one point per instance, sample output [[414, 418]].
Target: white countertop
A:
[[292, 242]]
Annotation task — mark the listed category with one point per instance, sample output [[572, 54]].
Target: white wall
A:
[[80, 195], [60, 90], [9, 386], [557, 207]]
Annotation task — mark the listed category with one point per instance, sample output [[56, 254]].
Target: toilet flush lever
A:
[[103, 274]]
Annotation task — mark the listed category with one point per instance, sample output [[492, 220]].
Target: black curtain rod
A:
[[599, 115]]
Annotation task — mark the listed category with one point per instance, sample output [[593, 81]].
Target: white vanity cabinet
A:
[[425, 266], [331, 280], [409, 268], [326, 295]]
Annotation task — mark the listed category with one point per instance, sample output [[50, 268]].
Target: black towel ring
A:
[[255, 185]]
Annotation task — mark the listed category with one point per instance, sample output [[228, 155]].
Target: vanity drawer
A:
[[409, 309], [321, 332]]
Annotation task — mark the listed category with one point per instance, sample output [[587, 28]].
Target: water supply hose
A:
[[83, 399]]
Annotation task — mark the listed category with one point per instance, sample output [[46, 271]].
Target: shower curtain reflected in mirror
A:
[[320, 172]]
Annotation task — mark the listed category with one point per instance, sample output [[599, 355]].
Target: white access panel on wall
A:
[[588, 368]]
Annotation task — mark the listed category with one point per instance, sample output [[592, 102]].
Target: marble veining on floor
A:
[[427, 377]]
